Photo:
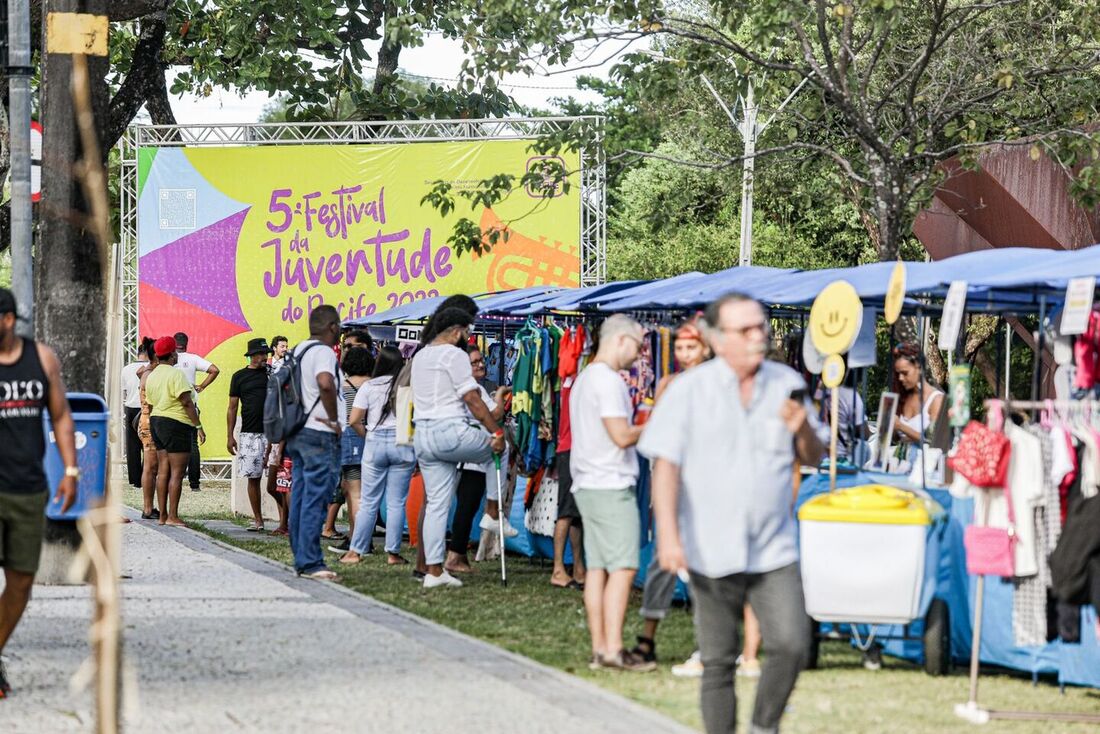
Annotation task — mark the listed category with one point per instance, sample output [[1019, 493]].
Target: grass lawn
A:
[[546, 624]]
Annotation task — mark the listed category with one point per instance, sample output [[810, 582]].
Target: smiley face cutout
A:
[[835, 318]]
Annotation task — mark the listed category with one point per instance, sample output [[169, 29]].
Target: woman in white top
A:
[[915, 417], [443, 386], [386, 467]]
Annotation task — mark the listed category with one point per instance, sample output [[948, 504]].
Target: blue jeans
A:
[[315, 473], [387, 468], [441, 445]]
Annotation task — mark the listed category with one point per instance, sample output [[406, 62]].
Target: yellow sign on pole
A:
[[76, 33], [895, 294], [835, 318]]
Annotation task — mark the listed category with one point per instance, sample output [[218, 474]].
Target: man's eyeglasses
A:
[[744, 331]]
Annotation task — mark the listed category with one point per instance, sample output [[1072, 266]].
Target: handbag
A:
[[543, 511], [982, 455], [992, 551]]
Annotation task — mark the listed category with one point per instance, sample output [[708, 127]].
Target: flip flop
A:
[[255, 528], [280, 531], [573, 584], [323, 575]]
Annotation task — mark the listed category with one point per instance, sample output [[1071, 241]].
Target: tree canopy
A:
[[886, 91]]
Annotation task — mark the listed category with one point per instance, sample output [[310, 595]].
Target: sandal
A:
[[255, 528], [280, 531], [323, 575], [335, 537]]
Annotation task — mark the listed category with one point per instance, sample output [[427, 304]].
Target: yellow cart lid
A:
[[876, 504]]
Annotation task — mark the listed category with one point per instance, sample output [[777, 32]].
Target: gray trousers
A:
[[776, 597]]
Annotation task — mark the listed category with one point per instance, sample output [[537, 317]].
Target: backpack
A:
[[284, 414]]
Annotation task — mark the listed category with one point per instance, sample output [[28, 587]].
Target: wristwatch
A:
[[72, 471]]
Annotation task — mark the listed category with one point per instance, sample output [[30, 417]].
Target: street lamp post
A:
[[19, 126]]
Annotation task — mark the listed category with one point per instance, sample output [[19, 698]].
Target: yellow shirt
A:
[[162, 391]]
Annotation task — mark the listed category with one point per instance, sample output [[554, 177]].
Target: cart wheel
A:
[[937, 639], [815, 644]]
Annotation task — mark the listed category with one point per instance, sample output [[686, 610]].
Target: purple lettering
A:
[[332, 269], [421, 261], [395, 265], [315, 273], [378, 240], [273, 279], [441, 262], [357, 259], [310, 210]]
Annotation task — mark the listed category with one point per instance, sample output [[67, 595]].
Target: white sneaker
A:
[[690, 668], [443, 579], [748, 668], [490, 525]]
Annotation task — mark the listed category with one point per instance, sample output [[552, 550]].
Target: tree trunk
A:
[[68, 274]]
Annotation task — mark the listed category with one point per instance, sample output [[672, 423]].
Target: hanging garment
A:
[[1079, 544], [1086, 356], [1029, 599], [1025, 481]]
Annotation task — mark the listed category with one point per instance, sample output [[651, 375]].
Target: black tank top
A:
[[24, 389]]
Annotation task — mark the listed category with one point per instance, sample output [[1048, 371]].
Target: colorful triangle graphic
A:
[[162, 314], [201, 269]]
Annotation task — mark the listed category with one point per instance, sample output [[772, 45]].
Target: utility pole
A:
[[750, 132], [19, 125]]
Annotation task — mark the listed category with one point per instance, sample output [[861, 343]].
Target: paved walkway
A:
[[225, 641]]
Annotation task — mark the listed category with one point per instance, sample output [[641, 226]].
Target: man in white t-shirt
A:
[[604, 466], [315, 450], [131, 408], [191, 364]]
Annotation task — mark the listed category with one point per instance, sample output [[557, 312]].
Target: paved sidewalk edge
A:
[[588, 700]]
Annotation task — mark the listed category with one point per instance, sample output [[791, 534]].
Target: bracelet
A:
[[72, 471], [499, 433]]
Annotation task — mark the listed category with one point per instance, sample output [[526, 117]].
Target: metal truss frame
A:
[[593, 173]]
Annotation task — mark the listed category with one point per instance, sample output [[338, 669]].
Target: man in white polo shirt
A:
[[604, 466]]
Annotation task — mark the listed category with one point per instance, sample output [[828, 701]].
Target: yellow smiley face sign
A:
[[835, 318], [895, 294]]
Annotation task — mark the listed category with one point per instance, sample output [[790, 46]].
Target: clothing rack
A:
[[970, 710]]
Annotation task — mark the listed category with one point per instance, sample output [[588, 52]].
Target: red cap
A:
[[164, 346]]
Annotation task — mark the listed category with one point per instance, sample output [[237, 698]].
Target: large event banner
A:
[[240, 242]]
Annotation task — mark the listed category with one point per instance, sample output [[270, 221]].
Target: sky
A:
[[439, 58]]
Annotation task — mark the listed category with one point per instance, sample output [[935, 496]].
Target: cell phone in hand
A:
[[798, 395]]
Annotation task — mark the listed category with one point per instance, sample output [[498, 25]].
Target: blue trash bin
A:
[[90, 416]]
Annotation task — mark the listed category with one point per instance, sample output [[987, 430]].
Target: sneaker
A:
[[690, 668], [154, 515], [490, 525], [629, 662], [595, 663], [5, 687], [195, 489], [746, 668], [872, 658], [341, 547], [443, 579]]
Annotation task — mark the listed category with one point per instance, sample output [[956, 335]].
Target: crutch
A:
[[500, 518]]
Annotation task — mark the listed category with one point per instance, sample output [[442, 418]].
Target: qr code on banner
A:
[[177, 208]]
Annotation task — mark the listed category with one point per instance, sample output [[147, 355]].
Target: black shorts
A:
[[567, 506], [170, 435]]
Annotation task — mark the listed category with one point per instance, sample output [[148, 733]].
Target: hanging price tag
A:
[[953, 309], [1075, 315]]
